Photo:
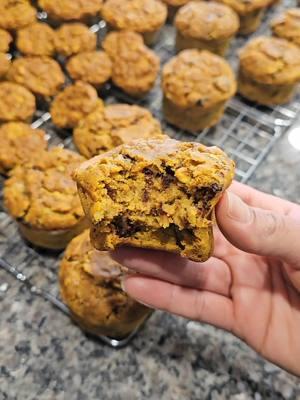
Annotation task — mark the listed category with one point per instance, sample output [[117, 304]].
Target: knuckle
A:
[[273, 224]]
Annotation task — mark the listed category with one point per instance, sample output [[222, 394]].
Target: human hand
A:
[[251, 285]]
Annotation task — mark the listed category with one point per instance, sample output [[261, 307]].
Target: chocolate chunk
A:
[[146, 196], [178, 236], [124, 227], [111, 192], [206, 194], [168, 178]]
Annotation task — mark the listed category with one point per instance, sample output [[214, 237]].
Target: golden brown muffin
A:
[[173, 7], [37, 39], [15, 14], [4, 64], [115, 124], [42, 75], [205, 26], [5, 41], [74, 38], [196, 86], [287, 25], [269, 70], [249, 11], [135, 66], [18, 143], [144, 16], [71, 10], [93, 67], [16, 103], [42, 196], [74, 103], [90, 284], [157, 194]]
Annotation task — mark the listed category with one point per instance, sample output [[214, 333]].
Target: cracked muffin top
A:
[[287, 25], [198, 78], [243, 7], [15, 14], [74, 38], [4, 64], [137, 15], [5, 41], [74, 10], [41, 192], [271, 60], [115, 124], [16, 102], [37, 39]]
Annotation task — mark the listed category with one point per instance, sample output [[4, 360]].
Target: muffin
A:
[[249, 11], [41, 195], [143, 16], [196, 86], [155, 193], [5, 40], [15, 14], [205, 26], [173, 7], [18, 144], [4, 65], [90, 284], [37, 39], [134, 66], [16, 103], [74, 103], [93, 67], [74, 10], [287, 25], [42, 75], [269, 70], [115, 124], [74, 38]]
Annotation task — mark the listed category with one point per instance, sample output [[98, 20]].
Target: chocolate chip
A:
[[168, 177], [179, 237], [124, 227], [206, 193], [111, 192], [146, 196], [148, 171]]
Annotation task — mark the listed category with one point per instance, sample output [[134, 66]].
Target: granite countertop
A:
[[44, 356]]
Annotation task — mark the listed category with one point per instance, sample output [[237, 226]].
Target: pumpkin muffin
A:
[[37, 39], [143, 16], [42, 75], [173, 7], [205, 26], [74, 38], [74, 103], [269, 70], [157, 194], [4, 64], [287, 25], [5, 41], [74, 10], [115, 124], [18, 143], [93, 67], [15, 14], [196, 86], [90, 284], [134, 66], [16, 103], [41, 195]]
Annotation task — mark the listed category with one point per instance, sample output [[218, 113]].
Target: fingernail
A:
[[237, 209], [123, 286]]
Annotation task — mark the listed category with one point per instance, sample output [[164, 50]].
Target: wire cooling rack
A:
[[247, 132]]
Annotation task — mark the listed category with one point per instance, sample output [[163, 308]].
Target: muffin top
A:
[[93, 67], [208, 21], [243, 7], [4, 64], [74, 103], [16, 102], [271, 60], [15, 14], [74, 38], [115, 124], [5, 40], [287, 25], [37, 39], [18, 143], [198, 78], [41, 192], [74, 10], [137, 15], [42, 75]]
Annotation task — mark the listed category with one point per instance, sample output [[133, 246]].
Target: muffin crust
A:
[[75, 10], [74, 38], [5, 41], [15, 14], [37, 39], [16, 102], [287, 25], [4, 64]]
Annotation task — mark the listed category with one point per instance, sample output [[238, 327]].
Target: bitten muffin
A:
[[115, 124], [196, 86], [41, 195], [143, 16], [43, 76], [4, 65], [18, 144], [287, 25], [93, 67], [249, 11], [37, 39], [173, 7], [135, 66], [16, 103], [74, 10], [90, 284], [74, 38], [74, 103], [15, 14], [5, 41], [269, 70], [157, 194], [205, 26]]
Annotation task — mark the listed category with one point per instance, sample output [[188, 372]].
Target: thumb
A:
[[258, 231]]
